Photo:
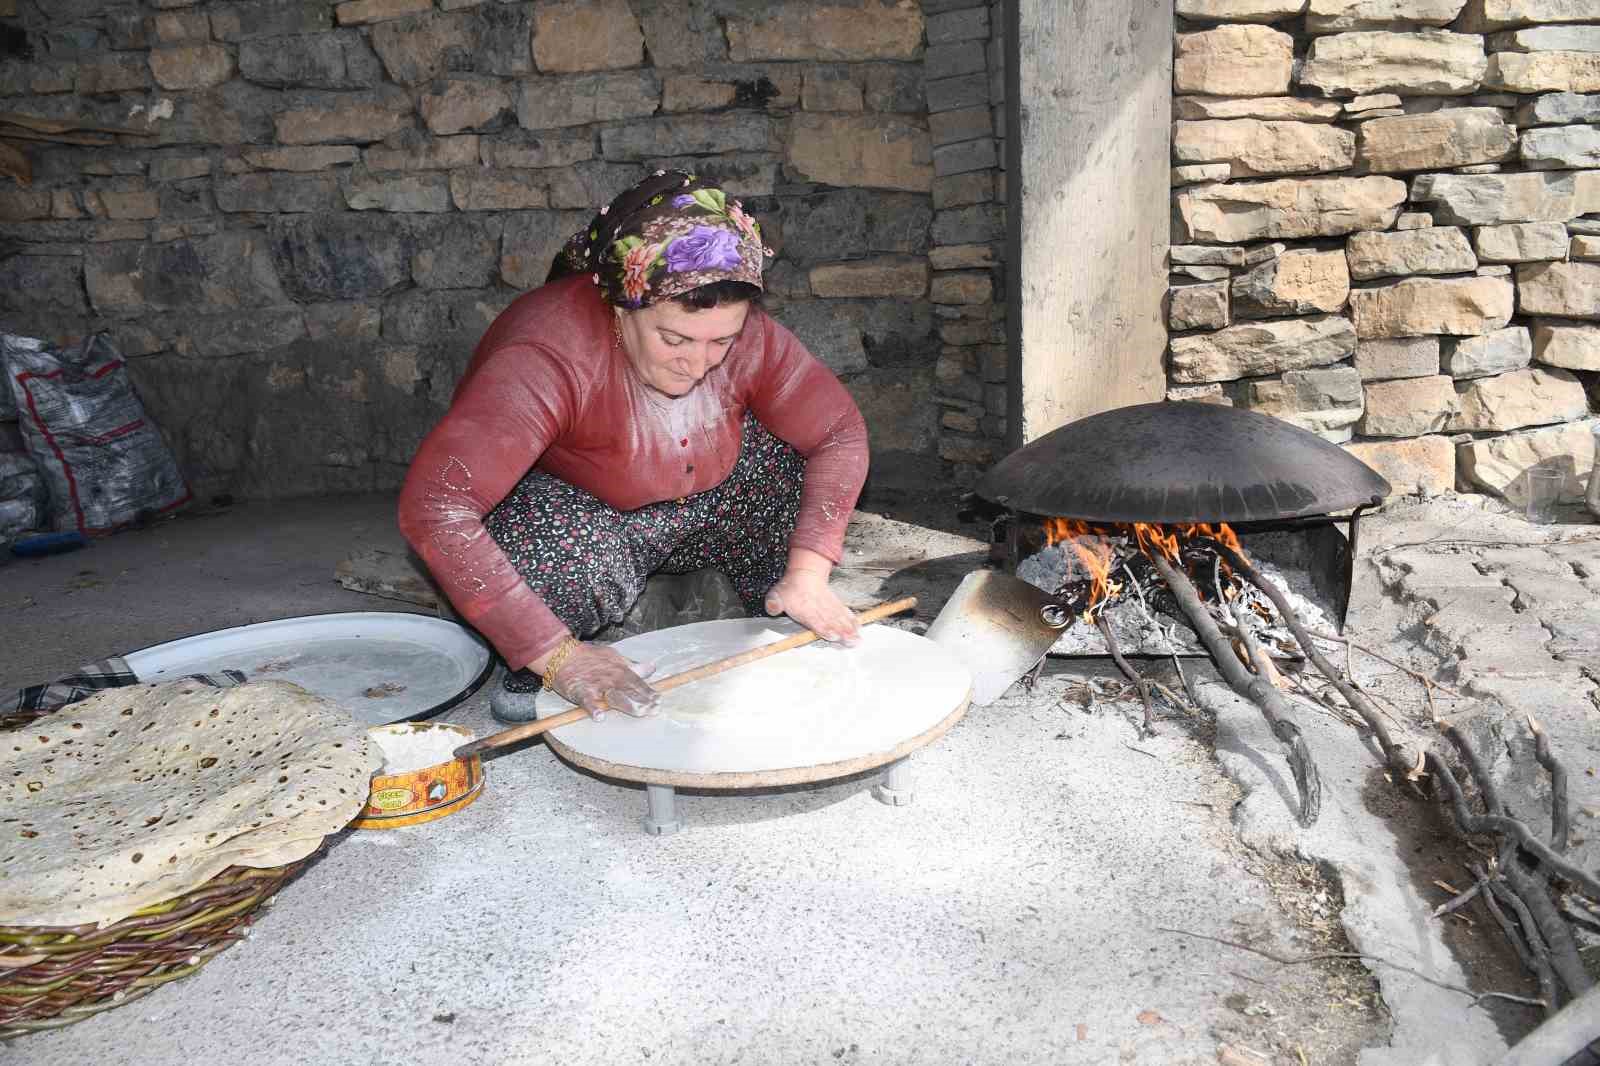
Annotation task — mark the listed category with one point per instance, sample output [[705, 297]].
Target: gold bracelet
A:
[[558, 659]]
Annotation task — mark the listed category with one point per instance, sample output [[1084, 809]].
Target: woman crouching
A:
[[638, 413]]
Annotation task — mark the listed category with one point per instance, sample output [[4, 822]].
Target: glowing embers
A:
[[1105, 561]]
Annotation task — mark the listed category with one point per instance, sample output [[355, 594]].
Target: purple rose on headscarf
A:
[[704, 248], [682, 200]]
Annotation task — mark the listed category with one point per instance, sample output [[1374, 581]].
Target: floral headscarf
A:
[[667, 235]]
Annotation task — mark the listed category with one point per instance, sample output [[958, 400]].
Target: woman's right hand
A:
[[599, 679]]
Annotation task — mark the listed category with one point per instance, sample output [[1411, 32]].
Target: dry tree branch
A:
[[1129, 672], [1560, 812], [1459, 900], [1297, 960], [1255, 655], [1480, 774], [1188, 687], [1261, 663], [1492, 822], [1321, 702], [1423, 679], [1549, 940], [1535, 964], [1387, 707], [1533, 904], [1506, 826], [1580, 911], [1542, 967], [1544, 940], [1547, 934], [1172, 697], [1165, 629], [1398, 759], [1258, 690]]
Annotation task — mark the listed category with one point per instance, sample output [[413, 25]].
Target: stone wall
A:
[[322, 204], [965, 66], [1387, 228]]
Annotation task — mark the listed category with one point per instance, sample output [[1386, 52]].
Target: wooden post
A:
[[1088, 119]]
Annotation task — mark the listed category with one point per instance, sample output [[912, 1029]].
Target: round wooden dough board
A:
[[808, 714]]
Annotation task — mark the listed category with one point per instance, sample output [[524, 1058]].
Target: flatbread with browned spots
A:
[[139, 794]]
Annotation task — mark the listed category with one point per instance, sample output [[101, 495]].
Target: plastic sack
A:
[[19, 477], [18, 517], [22, 498], [8, 403], [103, 463]]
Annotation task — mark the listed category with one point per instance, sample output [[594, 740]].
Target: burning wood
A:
[[1103, 573], [1179, 570], [1103, 551]]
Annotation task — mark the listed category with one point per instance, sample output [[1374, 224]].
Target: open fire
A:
[[1103, 577], [1104, 550]]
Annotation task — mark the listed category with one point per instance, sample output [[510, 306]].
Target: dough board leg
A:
[[662, 818], [896, 787]]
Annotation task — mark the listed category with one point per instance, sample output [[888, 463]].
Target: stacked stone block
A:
[[323, 204], [966, 122], [1385, 214]]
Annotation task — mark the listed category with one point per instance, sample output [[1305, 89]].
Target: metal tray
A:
[[381, 666]]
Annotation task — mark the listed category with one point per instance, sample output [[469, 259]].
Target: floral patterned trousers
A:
[[589, 561]]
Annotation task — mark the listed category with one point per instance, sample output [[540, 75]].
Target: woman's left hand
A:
[[804, 595]]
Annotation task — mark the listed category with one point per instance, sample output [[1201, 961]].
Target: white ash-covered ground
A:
[[1146, 620]]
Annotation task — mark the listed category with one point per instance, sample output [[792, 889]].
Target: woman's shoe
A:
[[513, 707]]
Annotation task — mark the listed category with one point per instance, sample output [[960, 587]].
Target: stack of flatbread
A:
[[139, 794]]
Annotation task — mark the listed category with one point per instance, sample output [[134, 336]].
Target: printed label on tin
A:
[[389, 799]]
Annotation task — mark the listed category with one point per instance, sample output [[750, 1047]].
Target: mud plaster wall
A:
[[331, 201]]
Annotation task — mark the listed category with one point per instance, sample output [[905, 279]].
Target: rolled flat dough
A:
[[810, 710], [746, 699]]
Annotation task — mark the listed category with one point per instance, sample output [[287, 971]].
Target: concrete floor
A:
[[1014, 913]]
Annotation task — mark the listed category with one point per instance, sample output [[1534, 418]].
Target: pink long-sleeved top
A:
[[548, 388]]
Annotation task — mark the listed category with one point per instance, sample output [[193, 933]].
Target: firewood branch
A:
[[1255, 688], [1560, 811], [1542, 924], [1546, 944], [1495, 820], [1397, 757], [1490, 824], [1536, 962], [1129, 672], [1165, 629], [1538, 911], [1322, 956]]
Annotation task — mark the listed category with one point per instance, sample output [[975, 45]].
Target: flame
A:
[[1093, 551], [1154, 539], [1093, 546], [1167, 539], [1221, 532]]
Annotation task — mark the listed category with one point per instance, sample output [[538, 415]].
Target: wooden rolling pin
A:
[[699, 673]]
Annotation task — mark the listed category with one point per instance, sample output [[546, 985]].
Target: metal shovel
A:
[[999, 626]]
